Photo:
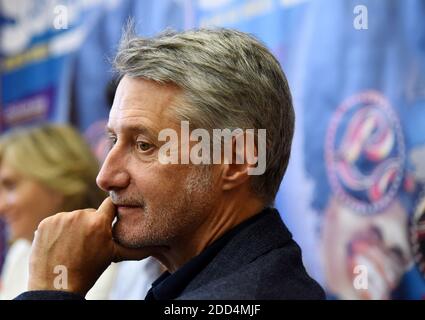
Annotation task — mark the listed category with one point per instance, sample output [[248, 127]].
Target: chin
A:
[[15, 234], [128, 236]]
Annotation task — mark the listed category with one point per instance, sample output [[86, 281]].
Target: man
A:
[[210, 224]]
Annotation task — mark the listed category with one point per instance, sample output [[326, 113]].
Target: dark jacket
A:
[[262, 261]]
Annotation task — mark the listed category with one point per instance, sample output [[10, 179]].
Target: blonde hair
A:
[[58, 157]]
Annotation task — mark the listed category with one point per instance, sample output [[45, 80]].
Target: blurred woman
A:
[[43, 170]]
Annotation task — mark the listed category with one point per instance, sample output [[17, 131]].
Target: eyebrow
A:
[[134, 129]]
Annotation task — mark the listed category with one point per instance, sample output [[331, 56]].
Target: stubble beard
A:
[[164, 224]]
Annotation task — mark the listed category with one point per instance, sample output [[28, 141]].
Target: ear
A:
[[244, 156]]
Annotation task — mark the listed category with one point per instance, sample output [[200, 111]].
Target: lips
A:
[[125, 209], [126, 206]]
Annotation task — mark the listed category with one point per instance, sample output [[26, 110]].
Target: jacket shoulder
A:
[[277, 274]]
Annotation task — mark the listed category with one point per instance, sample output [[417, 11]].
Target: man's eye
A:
[[112, 140], [143, 146]]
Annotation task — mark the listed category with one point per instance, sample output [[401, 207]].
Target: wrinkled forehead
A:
[[139, 101]]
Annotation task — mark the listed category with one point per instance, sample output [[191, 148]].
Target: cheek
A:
[[15, 202], [20, 214], [161, 182], [49, 206], [11, 198], [36, 204]]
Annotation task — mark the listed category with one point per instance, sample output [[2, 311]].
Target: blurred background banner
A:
[[353, 194]]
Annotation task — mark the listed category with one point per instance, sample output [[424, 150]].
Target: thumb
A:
[[122, 253], [107, 209]]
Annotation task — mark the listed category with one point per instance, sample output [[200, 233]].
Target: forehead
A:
[[7, 171], [141, 102]]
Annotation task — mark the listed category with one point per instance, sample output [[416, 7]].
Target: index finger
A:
[[107, 209]]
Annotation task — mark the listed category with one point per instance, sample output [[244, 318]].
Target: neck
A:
[[223, 218]]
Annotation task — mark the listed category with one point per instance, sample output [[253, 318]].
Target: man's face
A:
[[156, 203]]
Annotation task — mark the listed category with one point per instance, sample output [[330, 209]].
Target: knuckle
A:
[[77, 213], [58, 216], [44, 224], [74, 216]]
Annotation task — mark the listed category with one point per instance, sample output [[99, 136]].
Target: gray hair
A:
[[228, 79]]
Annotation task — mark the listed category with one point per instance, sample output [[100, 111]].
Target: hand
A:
[[81, 244]]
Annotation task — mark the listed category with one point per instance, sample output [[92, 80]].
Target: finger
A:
[[122, 253], [107, 209]]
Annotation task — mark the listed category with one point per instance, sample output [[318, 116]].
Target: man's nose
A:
[[113, 175]]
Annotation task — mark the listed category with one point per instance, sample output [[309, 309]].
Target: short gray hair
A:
[[229, 79]]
